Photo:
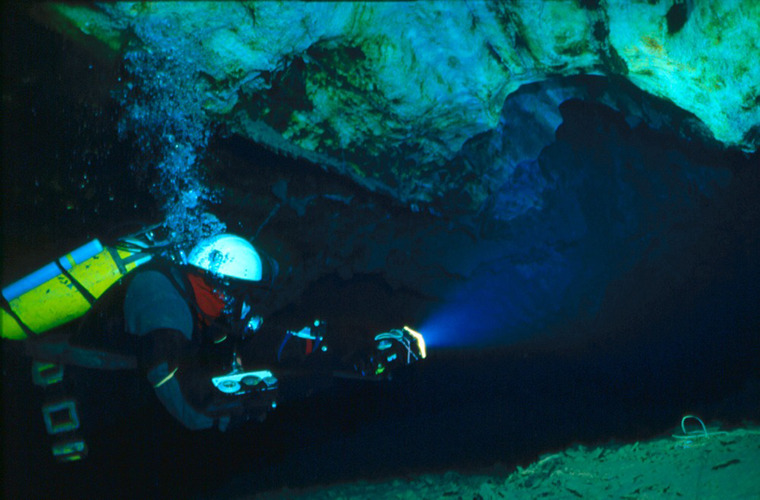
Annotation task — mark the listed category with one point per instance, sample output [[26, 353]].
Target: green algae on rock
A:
[[387, 94]]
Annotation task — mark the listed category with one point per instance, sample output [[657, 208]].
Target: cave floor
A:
[[719, 466]]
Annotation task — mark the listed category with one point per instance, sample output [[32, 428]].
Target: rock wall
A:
[[388, 93], [464, 157]]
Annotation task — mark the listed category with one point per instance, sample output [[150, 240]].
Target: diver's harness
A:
[[49, 356], [240, 392], [237, 388], [59, 412]]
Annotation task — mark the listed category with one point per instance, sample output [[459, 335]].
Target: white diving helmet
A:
[[227, 255]]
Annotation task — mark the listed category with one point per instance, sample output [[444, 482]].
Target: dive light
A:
[[420, 341], [405, 337]]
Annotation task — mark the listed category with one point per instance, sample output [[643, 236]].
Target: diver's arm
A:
[[170, 394], [307, 350], [162, 352], [160, 320]]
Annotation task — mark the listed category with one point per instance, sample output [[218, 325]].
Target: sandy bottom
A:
[[720, 465]]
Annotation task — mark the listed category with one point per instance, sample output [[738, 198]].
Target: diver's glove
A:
[[394, 349]]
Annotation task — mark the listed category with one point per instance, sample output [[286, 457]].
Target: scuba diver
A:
[[193, 327]]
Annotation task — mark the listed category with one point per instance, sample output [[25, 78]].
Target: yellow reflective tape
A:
[[166, 378], [70, 259], [420, 340]]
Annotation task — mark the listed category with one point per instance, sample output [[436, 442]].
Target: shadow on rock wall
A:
[[607, 219]]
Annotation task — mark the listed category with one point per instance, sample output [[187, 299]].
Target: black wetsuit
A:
[[166, 321], [156, 318], [158, 314]]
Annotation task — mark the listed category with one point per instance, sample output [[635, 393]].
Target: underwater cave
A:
[[562, 196]]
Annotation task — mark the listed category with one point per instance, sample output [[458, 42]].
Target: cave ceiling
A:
[[537, 159], [389, 93]]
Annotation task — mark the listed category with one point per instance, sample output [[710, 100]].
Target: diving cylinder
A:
[[64, 289]]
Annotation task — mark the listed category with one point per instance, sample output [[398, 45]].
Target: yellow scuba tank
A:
[[64, 289]]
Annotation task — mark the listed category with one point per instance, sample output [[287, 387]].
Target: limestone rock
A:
[[388, 94]]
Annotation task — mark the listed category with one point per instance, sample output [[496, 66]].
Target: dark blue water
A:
[[458, 410]]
